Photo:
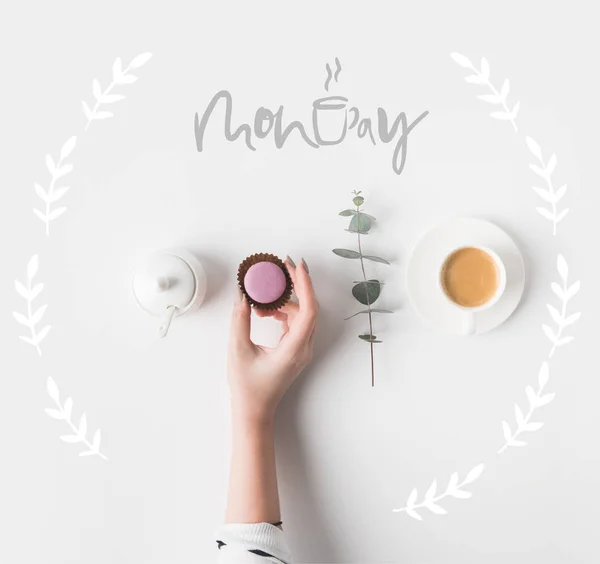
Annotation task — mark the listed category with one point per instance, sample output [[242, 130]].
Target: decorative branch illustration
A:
[[564, 293], [536, 399], [29, 293], [367, 291], [120, 77], [549, 194], [453, 489], [524, 423], [482, 77], [57, 170], [63, 413]]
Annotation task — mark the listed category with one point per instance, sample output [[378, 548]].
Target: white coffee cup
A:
[[469, 326]]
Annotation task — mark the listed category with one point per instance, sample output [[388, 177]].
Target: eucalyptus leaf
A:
[[369, 338], [346, 253], [369, 216], [373, 310], [347, 213], [360, 223], [376, 259], [367, 292], [358, 201]]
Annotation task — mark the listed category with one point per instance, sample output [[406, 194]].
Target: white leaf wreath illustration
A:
[[63, 412], [564, 291], [59, 169], [430, 501], [120, 76], [32, 318], [52, 194], [523, 422], [550, 195], [536, 398], [482, 77]]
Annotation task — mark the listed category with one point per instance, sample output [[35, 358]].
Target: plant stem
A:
[[362, 265]]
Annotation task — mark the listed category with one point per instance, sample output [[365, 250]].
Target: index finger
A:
[[308, 307]]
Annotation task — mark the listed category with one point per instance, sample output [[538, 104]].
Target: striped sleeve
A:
[[257, 543]]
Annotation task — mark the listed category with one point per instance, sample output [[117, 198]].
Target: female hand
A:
[[260, 376]]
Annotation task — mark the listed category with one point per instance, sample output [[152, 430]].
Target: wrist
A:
[[246, 415], [252, 430]]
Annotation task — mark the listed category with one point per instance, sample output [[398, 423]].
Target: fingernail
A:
[[238, 295], [305, 266], [288, 259]]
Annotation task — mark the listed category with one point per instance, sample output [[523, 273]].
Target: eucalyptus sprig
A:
[[366, 291]]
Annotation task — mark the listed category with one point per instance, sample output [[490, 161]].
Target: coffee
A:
[[470, 277]]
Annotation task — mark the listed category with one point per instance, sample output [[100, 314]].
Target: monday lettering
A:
[[332, 122]]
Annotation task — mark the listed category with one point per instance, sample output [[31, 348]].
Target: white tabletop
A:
[[348, 454]]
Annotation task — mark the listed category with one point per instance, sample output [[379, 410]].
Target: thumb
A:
[[240, 321]]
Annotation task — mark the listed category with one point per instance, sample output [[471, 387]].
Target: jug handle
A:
[[166, 321]]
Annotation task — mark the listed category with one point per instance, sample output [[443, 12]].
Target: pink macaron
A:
[[265, 281]]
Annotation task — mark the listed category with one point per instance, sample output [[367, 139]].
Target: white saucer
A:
[[428, 255]]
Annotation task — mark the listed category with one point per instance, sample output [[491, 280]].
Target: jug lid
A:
[[162, 280]]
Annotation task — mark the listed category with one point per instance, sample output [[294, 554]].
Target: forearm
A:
[[253, 495]]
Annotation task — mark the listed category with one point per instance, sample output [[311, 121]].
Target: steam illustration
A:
[[338, 68]]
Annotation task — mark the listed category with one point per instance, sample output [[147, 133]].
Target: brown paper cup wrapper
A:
[[265, 257]]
